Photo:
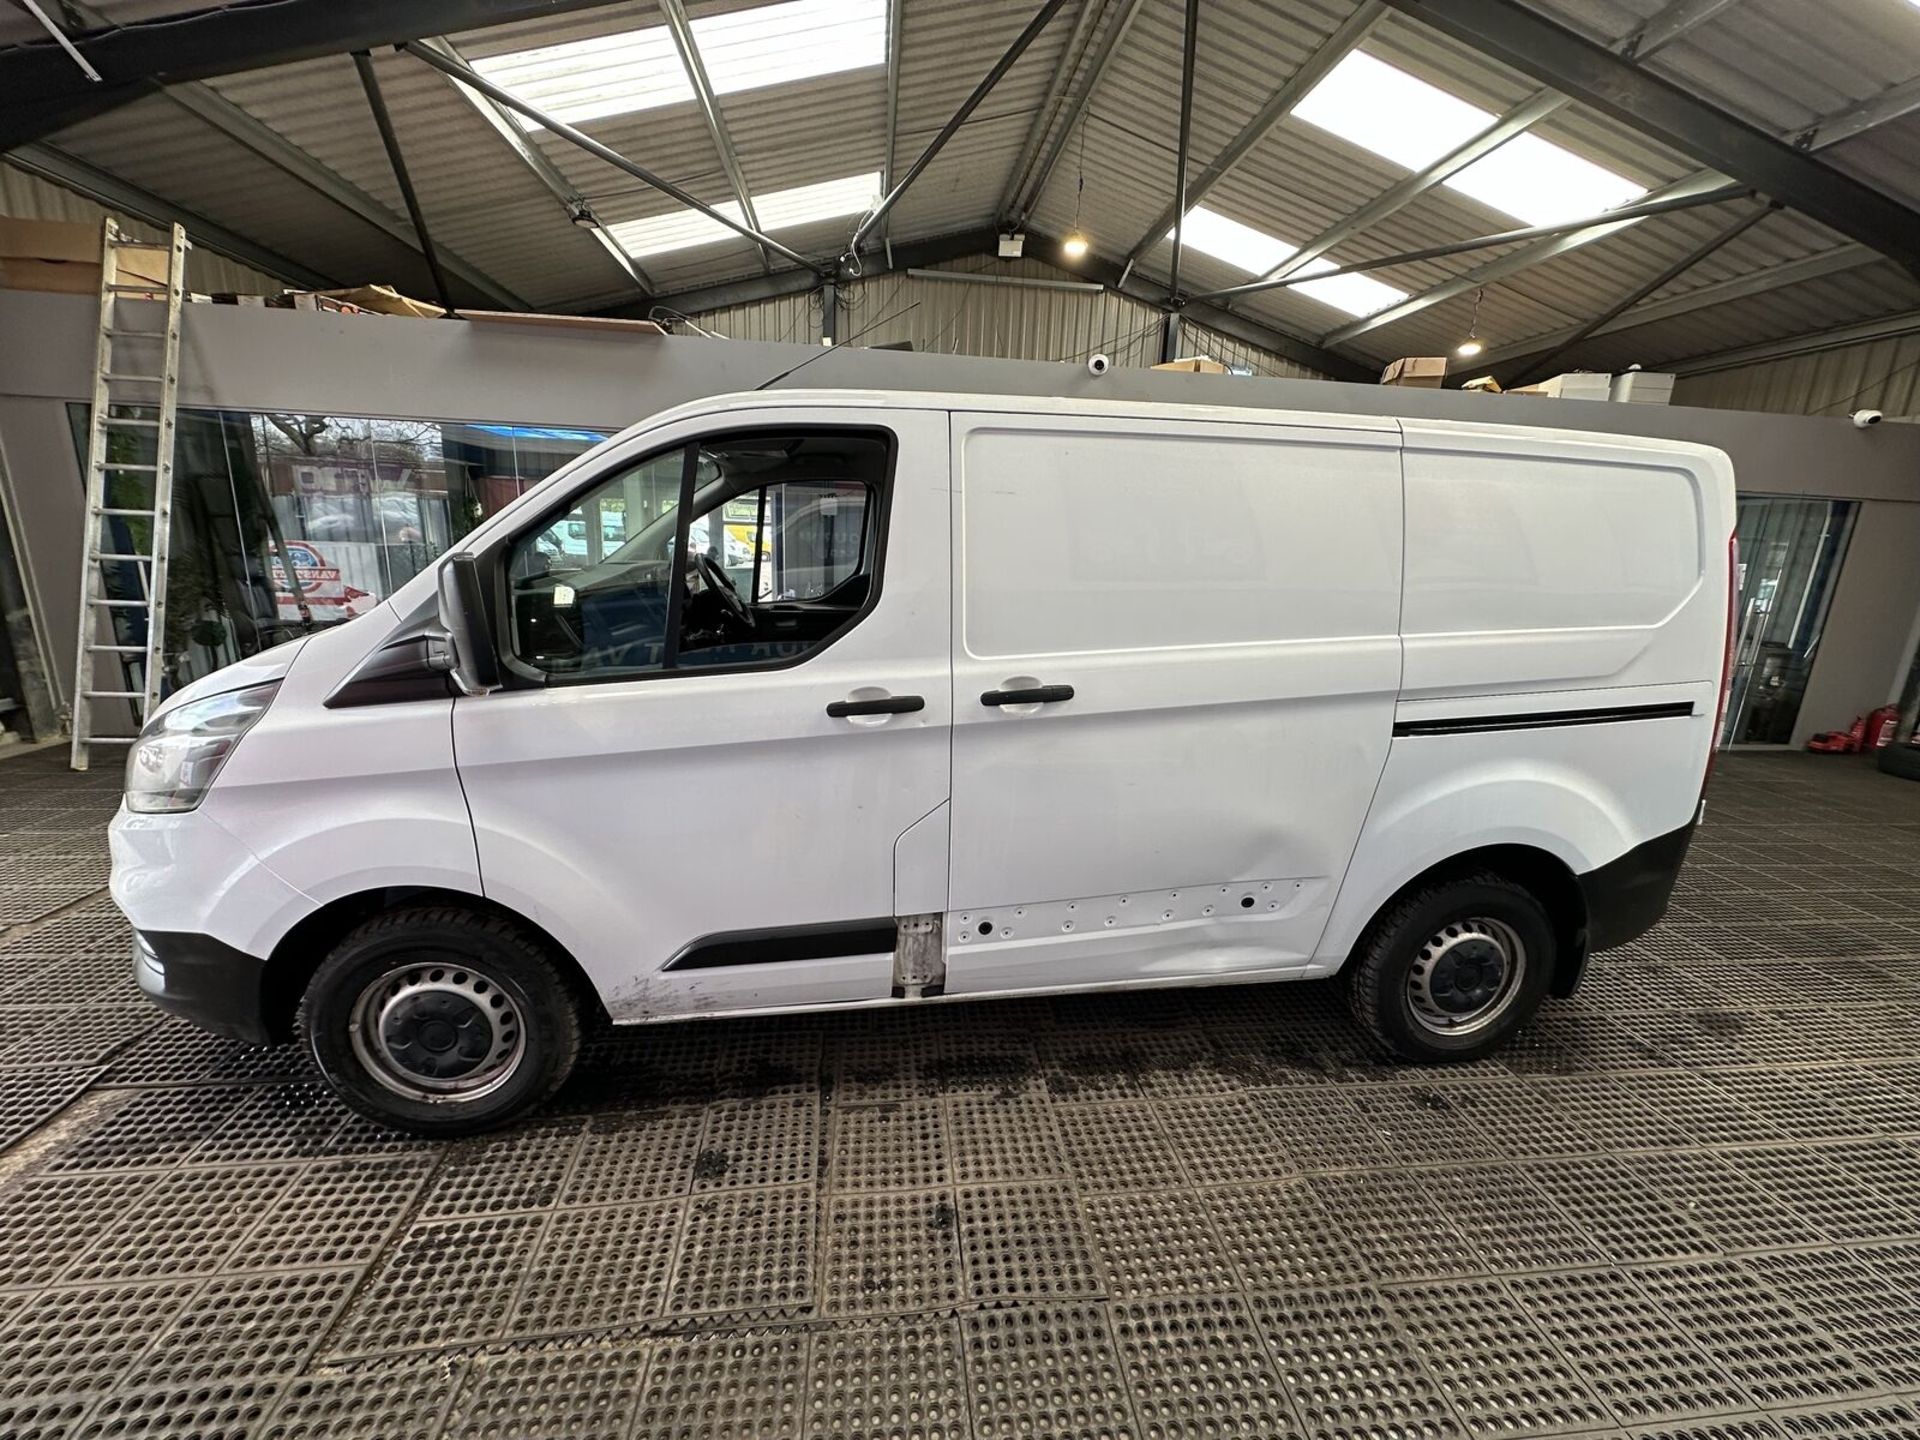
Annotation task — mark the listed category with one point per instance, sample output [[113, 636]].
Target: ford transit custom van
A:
[[809, 699]]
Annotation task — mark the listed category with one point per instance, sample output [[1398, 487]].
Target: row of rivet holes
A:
[[1006, 933]]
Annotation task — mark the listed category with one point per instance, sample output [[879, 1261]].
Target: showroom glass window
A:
[[285, 523], [781, 555]]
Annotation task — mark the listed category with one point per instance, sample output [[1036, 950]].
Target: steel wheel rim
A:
[[1465, 976], [439, 1034]]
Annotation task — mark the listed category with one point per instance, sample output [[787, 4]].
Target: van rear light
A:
[[1726, 659]]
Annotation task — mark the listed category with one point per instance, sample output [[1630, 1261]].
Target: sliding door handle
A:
[[889, 705], [1031, 695]]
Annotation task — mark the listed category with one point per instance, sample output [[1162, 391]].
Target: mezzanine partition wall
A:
[[370, 443]]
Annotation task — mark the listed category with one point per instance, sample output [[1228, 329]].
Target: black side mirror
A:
[[463, 615]]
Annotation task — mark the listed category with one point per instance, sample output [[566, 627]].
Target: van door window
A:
[[781, 555]]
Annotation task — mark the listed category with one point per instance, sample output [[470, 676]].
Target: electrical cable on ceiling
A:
[[1870, 385]]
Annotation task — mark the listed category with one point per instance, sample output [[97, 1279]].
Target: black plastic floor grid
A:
[[1687, 1204]]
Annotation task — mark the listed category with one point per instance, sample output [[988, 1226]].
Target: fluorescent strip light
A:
[[1259, 253], [582, 80], [777, 210], [1402, 118]]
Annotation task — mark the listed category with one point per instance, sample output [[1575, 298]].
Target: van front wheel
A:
[[438, 1021], [1451, 970]]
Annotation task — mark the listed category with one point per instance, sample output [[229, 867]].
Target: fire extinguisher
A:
[[1880, 726], [1850, 741]]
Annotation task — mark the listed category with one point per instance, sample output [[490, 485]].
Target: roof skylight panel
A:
[[776, 210], [1259, 253], [582, 80], [1402, 118]]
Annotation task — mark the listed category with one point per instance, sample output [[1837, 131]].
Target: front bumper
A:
[[200, 979]]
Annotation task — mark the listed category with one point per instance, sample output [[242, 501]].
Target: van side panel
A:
[[1564, 624]]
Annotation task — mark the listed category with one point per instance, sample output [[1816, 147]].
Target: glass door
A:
[[1790, 554]]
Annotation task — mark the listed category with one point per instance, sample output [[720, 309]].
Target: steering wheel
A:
[[718, 581]]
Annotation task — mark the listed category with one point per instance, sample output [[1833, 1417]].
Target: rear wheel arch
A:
[[299, 952], [1541, 873]]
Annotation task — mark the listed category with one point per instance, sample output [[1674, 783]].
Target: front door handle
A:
[[1031, 695], [888, 705]]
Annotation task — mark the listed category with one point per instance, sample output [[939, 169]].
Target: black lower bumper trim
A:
[[205, 981], [1626, 897]]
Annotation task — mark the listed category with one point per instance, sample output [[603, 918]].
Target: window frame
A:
[[517, 674]]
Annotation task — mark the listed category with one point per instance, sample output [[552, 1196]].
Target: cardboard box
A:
[[63, 257], [1642, 387], [1194, 365], [1425, 372], [1574, 385], [1482, 383]]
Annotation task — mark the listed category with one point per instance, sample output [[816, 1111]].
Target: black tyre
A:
[[438, 1021], [1452, 969]]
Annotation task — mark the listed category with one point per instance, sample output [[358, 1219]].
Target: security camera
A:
[[1866, 419], [1100, 364]]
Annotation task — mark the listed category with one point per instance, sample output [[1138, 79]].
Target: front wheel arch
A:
[[299, 952]]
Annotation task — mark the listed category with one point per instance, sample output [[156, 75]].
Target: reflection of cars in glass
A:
[[570, 537], [393, 518]]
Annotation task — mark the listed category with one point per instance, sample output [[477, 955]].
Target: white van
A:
[[992, 696]]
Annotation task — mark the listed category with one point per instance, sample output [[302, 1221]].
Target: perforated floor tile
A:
[[1277, 1235], [187, 1224], [240, 1329], [891, 1251], [1872, 1315], [274, 1122], [1834, 1201], [79, 1339], [1510, 1223], [644, 1155], [1723, 1204], [223, 1410], [394, 1401], [889, 1146], [1158, 1242], [48, 1221], [762, 1142], [521, 1169], [1890, 1420], [1349, 1370], [1023, 1241], [1117, 1146], [1617, 1211], [151, 1129], [447, 1282], [1046, 1370], [1226, 1140], [1639, 1361], [550, 1392], [28, 1101], [746, 1251], [751, 1386], [1198, 1368], [336, 1212], [905, 1378], [1777, 1354], [177, 1053], [598, 1268], [1002, 1138], [1393, 1221], [1502, 1376]]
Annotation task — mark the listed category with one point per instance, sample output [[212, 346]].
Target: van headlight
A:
[[180, 752]]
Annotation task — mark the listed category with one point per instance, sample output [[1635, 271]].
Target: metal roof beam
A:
[[390, 142], [1887, 327], [110, 190], [1889, 104], [1516, 35], [1110, 40], [1739, 287], [468, 76], [1006, 62], [578, 211], [1669, 25], [41, 91], [1189, 50], [896, 44], [689, 47], [1544, 363], [1070, 56], [1337, 46]]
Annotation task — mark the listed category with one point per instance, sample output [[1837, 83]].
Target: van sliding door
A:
[[1176, 656]]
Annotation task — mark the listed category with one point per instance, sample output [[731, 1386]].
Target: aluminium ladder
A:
[[136, 384]]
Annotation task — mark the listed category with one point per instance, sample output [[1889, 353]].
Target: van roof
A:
[[1229, 414]]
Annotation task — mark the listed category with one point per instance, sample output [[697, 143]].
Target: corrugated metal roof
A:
[[1781, 64]]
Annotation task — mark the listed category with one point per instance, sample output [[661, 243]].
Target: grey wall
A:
[[257, 359]]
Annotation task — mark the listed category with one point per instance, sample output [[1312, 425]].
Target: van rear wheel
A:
[[439, 1021], [1451, 970]]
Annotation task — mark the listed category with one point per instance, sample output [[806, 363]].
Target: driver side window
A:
[[781, 555]]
